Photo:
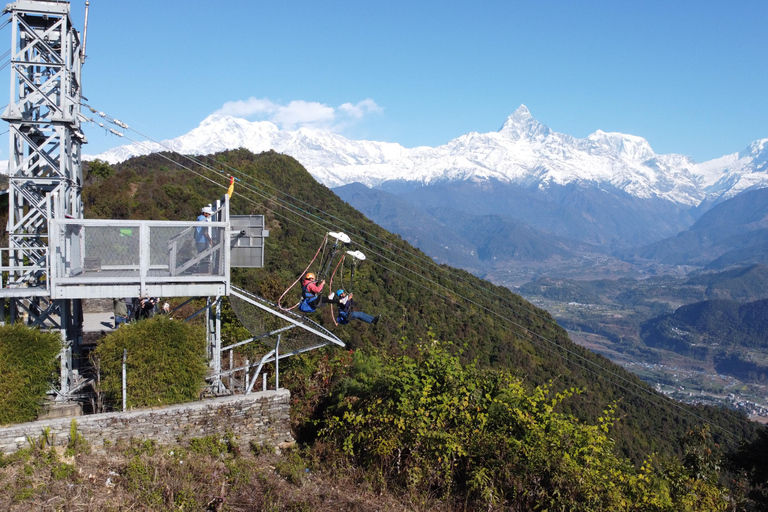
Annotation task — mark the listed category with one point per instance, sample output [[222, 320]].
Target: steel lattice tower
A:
[[45, 172]]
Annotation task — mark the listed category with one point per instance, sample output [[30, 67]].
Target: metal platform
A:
[[138, 258]]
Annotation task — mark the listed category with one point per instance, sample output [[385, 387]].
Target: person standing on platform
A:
[[203, 239], [202, 234], [121, 312]]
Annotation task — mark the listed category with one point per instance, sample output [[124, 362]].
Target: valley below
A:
[[609, 315]]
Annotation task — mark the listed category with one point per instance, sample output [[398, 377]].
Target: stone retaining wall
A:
[[263, 417]]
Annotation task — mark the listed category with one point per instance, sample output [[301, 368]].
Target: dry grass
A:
[[209, 475]]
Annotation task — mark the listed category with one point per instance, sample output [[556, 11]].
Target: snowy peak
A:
[[730, 175], [522, 126], [630, 147], [757, 151], [524, 152], [521, 116]]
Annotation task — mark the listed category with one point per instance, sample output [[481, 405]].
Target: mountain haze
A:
[[535, 195], [732, 232]]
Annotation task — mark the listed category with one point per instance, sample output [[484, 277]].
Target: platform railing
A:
[[18, 272], [127, 253]]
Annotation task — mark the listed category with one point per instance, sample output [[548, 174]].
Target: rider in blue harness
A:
[[347, 312], [311, 293]]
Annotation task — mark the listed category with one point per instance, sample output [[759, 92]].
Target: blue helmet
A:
[[340, 292]]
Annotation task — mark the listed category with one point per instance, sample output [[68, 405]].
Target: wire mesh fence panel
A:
[[189, 249], [260, 322], [93, 258], [167, 241], [250, 316], [162, 240], [112, 246]]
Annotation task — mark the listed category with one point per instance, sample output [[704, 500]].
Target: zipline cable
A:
[[646, 391], [198, 162]]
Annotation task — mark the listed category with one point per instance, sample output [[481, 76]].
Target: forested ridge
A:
[[463, 396], [733, 335], [493, 326], [725, 322]]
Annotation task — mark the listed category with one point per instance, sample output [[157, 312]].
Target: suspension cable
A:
[[544, 342]]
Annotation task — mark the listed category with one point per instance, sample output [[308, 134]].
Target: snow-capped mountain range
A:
[[523, 152]]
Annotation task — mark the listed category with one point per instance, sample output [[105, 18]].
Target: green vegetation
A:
[[752, 458], [514, 416], [417, 432], [731, 335], [432, 426], [98, 169], [744, 284], [722, 323], [28, 369], [494, 327], [76, 443], [165, 362]]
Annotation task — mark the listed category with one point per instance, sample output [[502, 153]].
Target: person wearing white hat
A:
[[202, 234]]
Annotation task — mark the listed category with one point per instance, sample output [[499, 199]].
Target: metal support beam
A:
[[45, 167]]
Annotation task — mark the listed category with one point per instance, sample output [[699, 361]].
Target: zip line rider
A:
[[346, 310], [311, 293]]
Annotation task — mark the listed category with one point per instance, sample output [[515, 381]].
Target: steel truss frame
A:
[[45, 166], [45, 178]]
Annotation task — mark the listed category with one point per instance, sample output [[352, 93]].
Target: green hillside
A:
[[715, 323], [733, 336], [744, 284], [416, 298]]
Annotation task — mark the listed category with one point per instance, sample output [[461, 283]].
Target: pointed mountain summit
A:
[[732, 174], [521, 125]]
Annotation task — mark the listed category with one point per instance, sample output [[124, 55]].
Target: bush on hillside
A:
[[165, 362], [434, 426], [28, 369]]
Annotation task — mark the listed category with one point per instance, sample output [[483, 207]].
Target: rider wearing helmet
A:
[[311, 293], [347, 312]]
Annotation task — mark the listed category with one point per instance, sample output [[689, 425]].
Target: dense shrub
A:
[[165, 362], [434, 426], [27, 366]]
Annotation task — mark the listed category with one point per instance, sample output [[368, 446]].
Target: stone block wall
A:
[[263, 417]]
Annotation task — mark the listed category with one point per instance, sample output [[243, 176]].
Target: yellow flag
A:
[[231, 188]]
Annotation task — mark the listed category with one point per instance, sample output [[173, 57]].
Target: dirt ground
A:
[[210, 476]]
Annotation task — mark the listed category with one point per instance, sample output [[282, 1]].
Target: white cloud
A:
[[300, 113], [361, 109], [247, 108], [304, 113]]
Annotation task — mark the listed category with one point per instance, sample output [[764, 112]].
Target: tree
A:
[[27, 366], [99, 169]]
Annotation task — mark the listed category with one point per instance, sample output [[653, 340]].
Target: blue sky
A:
[[689, 76]]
